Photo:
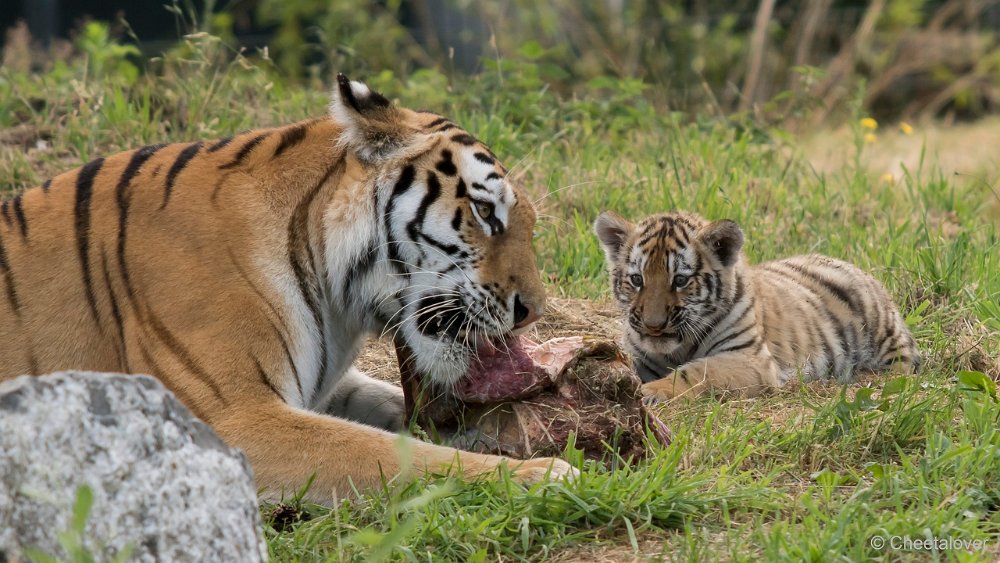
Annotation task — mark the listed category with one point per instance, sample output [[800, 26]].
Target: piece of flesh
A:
[[524, 399]]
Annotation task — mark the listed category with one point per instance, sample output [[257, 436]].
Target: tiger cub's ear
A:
[[612, 230], [373, 127], [724, 239]]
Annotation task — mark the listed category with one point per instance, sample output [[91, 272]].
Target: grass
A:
[[810, 472]]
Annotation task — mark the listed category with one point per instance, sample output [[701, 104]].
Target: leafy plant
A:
[[107, 58]]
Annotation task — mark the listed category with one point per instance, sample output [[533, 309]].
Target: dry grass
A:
[[965, 150]]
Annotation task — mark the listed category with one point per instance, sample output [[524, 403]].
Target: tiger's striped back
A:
[[698, 316], [106, 267], [828, 317]]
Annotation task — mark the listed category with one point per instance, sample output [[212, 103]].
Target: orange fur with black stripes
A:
[[245, 273], [698, 317]]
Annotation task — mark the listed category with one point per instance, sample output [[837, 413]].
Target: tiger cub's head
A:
[[448, 265], [669, 273]]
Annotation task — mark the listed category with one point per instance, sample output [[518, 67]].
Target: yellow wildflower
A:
[[869, 123], [888, 179], [870, 137], [905, 127]]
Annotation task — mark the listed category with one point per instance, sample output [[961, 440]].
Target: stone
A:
[[163, 483]]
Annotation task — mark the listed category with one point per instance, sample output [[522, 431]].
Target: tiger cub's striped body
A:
[[246, 273], [699, 317]]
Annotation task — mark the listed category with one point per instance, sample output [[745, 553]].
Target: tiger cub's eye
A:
[[484, 210], [680, 281], [636, 280]]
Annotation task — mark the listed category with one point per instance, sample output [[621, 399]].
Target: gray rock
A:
[[162, 481]]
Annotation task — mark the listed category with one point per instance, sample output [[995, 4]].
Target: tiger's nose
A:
[[523, 314]]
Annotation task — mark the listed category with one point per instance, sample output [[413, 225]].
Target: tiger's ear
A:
[[373, 127], [724, 239], [612, 230]]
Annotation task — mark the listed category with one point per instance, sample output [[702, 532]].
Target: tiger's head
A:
[[668, 273], [445, 262]]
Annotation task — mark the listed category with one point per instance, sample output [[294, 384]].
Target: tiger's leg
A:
[[364, 399], [744, 373], [286, 446]]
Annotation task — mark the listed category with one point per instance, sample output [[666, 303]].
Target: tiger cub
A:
[[698, 317]]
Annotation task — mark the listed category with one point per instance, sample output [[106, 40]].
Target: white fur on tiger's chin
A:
[[662, 345], [447, 362], [443, 362]]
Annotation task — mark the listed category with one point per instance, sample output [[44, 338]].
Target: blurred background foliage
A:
[[794, 62]]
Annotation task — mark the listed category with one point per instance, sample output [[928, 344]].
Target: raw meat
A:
[[523, 400]]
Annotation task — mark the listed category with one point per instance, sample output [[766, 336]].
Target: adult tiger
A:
[[245, 274], [698, 317]]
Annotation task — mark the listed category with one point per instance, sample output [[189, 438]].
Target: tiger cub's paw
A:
[[657, 392]]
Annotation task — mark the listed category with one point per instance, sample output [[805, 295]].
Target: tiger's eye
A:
[[484, 210], [636, 280], [680, 281]]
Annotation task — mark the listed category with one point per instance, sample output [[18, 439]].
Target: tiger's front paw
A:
[[535, 470], [657, 392]]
